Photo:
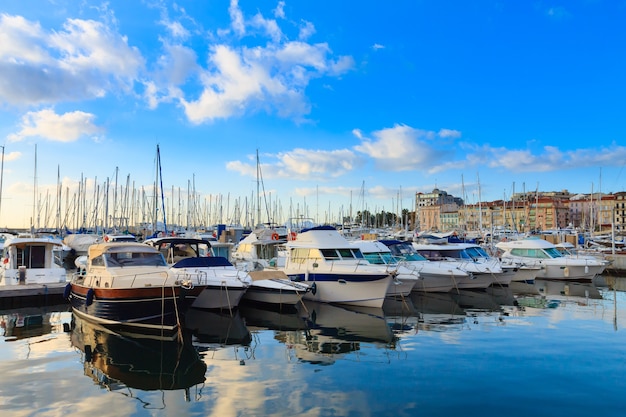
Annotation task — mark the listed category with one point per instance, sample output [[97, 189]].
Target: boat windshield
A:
[[380, 258], [554, 253], [414, 257], [406, 252], [115, 259], [476, 252]]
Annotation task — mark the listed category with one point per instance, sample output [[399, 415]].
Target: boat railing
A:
[[134, 277], [99, 281], [335, 266], [197, 277]]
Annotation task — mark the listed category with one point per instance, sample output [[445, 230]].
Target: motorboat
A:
[[257, 254], [127, 284], [436, 276], [555, 265], [29, 259], [190, 259], [484, 270], [523, 272], [568, 249], [258, 250], [336, 271], [376, 253], [275, 288]]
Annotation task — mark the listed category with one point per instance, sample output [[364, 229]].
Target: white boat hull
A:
[[276, 291], [344, 291], [34, 276], [220, 297], [569, 272], [504, 278], [402, 286], [434, 283], [479, 281], [527, 275]]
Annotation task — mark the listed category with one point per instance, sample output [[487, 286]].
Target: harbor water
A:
[[545, 349]]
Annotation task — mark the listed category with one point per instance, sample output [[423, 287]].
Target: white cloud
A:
[[269, 26], [279, 11], [236, 18], [271, 76], [12, 156], [233, 83], [307, 29], [449, 133], [46, 124], [548, 159], [176, 29], [86, 59], [377, 46], [302, 163], [403, 148]]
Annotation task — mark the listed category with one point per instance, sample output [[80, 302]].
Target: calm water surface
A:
[[548, 349]]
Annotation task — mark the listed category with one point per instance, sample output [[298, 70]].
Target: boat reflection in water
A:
[[119, 362], [562, 290], [221, 328], [428, 311], [265, 317], [22, 323], [333, 331]]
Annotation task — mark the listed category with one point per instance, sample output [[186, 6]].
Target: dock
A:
[[26, 295]]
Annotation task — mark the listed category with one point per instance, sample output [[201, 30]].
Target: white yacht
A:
[[257, 254], [378, 254], [190, 260], [336, 271], [555, 265], [470, 257], [32, 260], [436, 276]]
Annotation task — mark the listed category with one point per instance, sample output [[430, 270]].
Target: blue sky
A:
[[348, 104]]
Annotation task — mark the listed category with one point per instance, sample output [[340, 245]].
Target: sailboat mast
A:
[[480, 209], [160, 176], [258, 188], [1, 176], [35, 192]]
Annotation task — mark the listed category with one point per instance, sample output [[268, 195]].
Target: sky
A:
[[348, 105]]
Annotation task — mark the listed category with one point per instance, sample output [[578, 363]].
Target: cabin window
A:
[[529, 253], [301, 255], [32, 257], [135, 259], [97, 261], [330, 254], [346, 253]]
